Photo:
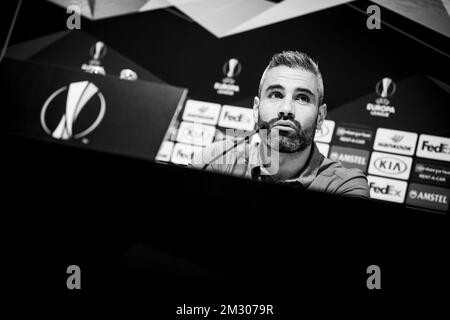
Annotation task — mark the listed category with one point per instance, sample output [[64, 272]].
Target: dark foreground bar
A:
[[224, 240]]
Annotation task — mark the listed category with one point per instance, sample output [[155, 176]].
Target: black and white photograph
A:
[[225, 159]]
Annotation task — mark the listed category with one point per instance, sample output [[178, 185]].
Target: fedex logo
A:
[[441, 148], [387, 189], [434, 147], [182, 153], [236, 118]]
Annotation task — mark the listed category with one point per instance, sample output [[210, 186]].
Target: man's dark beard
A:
[[290, 141]]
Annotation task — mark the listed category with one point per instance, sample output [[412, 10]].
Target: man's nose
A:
[[286, 108]]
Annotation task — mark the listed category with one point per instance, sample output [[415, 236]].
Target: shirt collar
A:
[[307, 174]]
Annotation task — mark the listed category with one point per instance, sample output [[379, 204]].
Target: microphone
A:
[[236, 143]]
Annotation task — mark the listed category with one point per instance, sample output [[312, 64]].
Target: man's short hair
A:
[[295, 59]]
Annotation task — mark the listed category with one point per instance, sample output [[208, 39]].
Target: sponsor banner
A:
[[390, 165], [236, 118], [165, 152], [182, 153], [354, 136], [395, 141], [228, 133], [323, 148], [325, 133], [201, 111], [350, 157], [387, 189], [433, 147], [195, 133], [430, 197], [429, 172]]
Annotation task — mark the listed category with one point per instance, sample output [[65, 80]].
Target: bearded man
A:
[[287, 110]]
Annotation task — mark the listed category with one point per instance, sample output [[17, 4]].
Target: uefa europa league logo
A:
[[385, 88], [78, 96], [97, 52], [231, 69]]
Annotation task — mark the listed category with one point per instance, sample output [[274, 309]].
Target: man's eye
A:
[[303, 98], [276, 95]]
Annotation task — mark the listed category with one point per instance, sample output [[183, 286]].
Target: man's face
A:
[[289, 105]]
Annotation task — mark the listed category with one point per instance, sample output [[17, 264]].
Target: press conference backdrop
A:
[[411, 168], [387, 93]]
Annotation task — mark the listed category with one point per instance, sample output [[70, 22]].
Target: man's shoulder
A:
[[332, 168], [345, 180]]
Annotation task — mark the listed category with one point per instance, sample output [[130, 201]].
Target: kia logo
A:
[[390, 165], [193, 132]]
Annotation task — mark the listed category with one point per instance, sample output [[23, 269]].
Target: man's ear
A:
[[321, 115], [255, 110]]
